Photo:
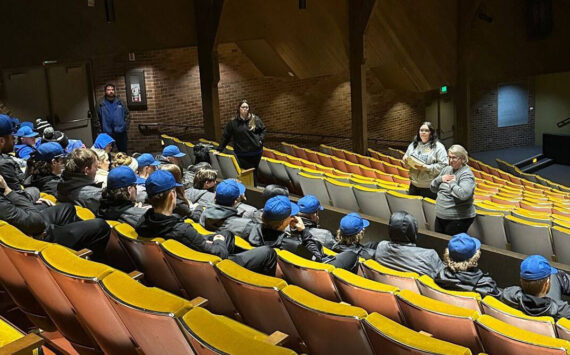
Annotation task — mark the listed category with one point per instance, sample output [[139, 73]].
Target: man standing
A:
[[112, 117]]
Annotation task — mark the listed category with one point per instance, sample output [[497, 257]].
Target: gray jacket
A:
[[454, 198], [80, 190], [246, 211], [202, 197], [434, 158], [216, 217]]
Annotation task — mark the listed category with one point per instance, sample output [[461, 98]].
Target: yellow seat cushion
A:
[[182, 251], [376, 266], [8, 333], [67, 262], [362, 282], [15, 238], [397, 194], [112, 223], [522, 335], [500, 306], [198, 227], [302, 262], [309, 300], [126, 230], [242, 243], [436, 306], [84, 213], [413, 339], [49, 197], [429, 282], [131, 292], [244, 275]]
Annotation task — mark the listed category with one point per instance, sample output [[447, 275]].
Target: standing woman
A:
[[428, 150], [455, 185], [247, 132]]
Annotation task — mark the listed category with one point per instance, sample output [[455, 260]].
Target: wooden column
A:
[[207, 14], [358, 14]]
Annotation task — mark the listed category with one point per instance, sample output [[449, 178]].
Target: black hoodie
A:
[[79, 189], [122, 211], [245, 141], [473, 280], [45, 183], [154, 225]]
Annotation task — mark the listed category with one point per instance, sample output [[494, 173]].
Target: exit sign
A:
[[443, 90]]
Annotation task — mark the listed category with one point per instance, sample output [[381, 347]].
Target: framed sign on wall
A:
[[136, 89]]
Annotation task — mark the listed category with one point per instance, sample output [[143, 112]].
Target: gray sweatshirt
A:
[[454, 198], [434, 158]]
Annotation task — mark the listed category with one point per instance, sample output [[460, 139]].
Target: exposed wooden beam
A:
[[208, 13], [358, 14]]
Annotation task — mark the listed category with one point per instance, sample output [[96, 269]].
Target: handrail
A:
[[563, 123]]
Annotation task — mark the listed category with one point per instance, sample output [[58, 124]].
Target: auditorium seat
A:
[[535, 217], [489, 228], [215, 163], [231, 169], [313, 276], [499, 310], [464, 299], [293, 173], [79, 280], [189, 159], [341, 195], [315, 186], [149, 258], [327, 327], [389, 337], [561, 242], [403, 280], [49, 197], [428, 205], [83, 213], [257, 298], [368, 294], [563, 328], [149, 314], [14, 341], [411, 204], [528, 237], [359, 181], [279, 173], [499, 337], [264, 171], [368, 172], [372, 201], [443, 321], [339, 164], [197, 275], [203, 329]]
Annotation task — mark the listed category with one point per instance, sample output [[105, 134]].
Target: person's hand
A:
[[47, 202], [4, 185], [448, 178], [219, 237], [297, 224], [421, 167]]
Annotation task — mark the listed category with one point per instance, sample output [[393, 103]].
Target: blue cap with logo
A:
[[309, 204], [26, 132], [352, 224], [121, 176], [160, 181], [536, 267], [228, 191], [147, 159], [27, 124], [278, 208], [6, 125], [172, 151], [48, 151], [102, 141], [462, 247]]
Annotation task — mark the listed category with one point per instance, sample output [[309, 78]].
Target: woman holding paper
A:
[[425, 158]]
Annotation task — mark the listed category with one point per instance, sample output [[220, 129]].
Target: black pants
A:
[[248, 163], [347, 260], [65, 228], [261, 259], [452, 226], [121, 140], [421, 191]]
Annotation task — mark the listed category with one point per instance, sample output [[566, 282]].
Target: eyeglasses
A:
[[245, 107], [425, 130], [453, 158]]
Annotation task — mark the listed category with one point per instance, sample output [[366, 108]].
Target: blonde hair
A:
[[102, 155], [464, 265], [459, 152], [120, 159], [349, 239]]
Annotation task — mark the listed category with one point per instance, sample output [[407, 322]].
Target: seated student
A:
[[122, 159], [309, 207], [9, 168], [269, 191], [461, 272], [223, 214], [27, 142], [68, 145], [78, 180], [193, 169], [159, 221], [171, 154], [104, 142], [45, 167], [204, 184], [102, 168], [147, 165], [183, 206], [351, 233], [245, 210], [541, 290], [118, 202], [58, 224], [401, 252]]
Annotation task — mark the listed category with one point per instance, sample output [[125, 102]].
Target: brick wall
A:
[[319, 105], [485, 132]]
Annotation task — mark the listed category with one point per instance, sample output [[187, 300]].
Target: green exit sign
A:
[[443, 89]]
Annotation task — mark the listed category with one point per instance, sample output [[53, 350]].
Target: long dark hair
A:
[[432, 135], [250, 115]]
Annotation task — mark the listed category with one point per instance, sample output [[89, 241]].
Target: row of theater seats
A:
[[508, 168]]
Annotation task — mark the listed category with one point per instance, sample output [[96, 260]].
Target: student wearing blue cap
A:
[[104, 142], [541, 289], [461, 272], [269, 191], [147, 165], [401, 252], [45, 167], [27, 143], [160, 221], [309, 207], [119, 197], [171, 154], [78, 180], [350, 234]]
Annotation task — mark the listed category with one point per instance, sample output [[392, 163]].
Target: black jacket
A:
[[260, 235], [470, 280], [10, 170], [79, 189], [324, 236], [19, 211], [245, 141], [122, 211], [45, 183], [154, 225]]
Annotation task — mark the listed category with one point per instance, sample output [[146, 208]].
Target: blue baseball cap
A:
[[160, 181], [536, 267], [48, 151], [352, 224], [121, 176], [172, 151], [228, 191], [27, 124], [6, 125], [462, 247], [278, 208], [102, 141], [26, 132], [147, 159], [309, 204]]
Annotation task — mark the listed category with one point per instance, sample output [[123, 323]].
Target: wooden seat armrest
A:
[[276, 338], [84, 253], [23, 345], [198, 302], [136, 275]]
